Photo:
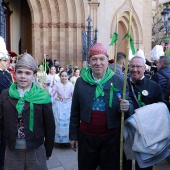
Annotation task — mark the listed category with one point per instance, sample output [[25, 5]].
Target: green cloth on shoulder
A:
[[87, 77], [36, 95]]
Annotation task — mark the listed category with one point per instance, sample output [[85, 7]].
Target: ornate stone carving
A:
[[58, 25]]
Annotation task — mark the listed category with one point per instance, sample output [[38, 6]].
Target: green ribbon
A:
[[114, 38], [131, 42], [139, 99], [31, 118], [112, 90]]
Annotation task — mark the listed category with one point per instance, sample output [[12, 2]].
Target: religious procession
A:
[[110, 108]]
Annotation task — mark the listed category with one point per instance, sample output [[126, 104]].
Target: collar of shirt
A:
[[22, 92], [134, 82], [97, 79], [1, 69]]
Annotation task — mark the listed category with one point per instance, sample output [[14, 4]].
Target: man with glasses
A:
[[142, 91], [163, 75]]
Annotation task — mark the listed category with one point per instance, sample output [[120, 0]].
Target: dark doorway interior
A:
[[26, 28]]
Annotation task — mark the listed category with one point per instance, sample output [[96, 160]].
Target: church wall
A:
[[15, 24], [141, 21], [57, 26]]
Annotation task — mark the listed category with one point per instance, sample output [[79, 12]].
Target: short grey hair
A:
[[165, 60], [144, 61]]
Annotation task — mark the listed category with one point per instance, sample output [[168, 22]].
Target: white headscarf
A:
[[3, 51], [156, 52]]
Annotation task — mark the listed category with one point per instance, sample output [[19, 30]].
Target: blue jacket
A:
[[160, 79]]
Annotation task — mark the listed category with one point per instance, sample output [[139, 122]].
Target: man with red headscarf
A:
[[96, 113]]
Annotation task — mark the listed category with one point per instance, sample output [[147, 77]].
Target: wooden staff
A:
[[37, 63], [44, 65], [115, 56], [124, 91]]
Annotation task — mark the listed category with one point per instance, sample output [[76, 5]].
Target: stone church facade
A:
[[55, 27]]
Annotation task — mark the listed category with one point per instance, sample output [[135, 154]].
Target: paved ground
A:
[[63, 158]]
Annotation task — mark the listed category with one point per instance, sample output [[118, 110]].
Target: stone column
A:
[[2, 21], [94, 4]]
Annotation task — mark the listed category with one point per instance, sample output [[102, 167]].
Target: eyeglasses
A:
[[137, 67]]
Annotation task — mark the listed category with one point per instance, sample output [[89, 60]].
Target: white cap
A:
[[156, 52], [3, 51]]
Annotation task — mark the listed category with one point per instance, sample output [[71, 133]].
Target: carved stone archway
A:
[[136, 28], [56, 29]]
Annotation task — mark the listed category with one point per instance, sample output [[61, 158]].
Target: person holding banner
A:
[[96, 114], [142, 91]]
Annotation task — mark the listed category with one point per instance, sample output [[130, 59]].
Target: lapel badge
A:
[[145, 92]]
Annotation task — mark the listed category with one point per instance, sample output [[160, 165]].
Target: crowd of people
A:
[[42, 106]]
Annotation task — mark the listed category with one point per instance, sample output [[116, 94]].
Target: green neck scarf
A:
[[36, 95], [84, 69], [87, 77]]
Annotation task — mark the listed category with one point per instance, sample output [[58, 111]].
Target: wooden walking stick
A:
[[45, 69], [115, 56], [124, 91]]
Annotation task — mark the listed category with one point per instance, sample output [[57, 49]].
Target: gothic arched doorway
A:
[[121, 32], [26, 28]]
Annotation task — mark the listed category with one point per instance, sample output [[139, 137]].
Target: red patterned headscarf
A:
[[97, 49]]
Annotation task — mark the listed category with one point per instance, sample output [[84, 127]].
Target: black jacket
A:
[[82, 105], [153, 92], [44, 125], [5, 80]]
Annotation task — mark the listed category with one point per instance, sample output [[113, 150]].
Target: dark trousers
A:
[[2, 151], [99, 150]]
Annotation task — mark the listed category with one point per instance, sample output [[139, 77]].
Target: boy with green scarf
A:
[[96, 114], [27, 120]]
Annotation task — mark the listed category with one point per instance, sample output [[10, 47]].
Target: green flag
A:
[[114, 38], [131, 42]]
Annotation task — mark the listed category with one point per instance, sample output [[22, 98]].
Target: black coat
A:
[[82, 105], [153, 89], [44, 125], [5, 80]]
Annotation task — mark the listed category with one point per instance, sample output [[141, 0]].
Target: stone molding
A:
[[58, 25]]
